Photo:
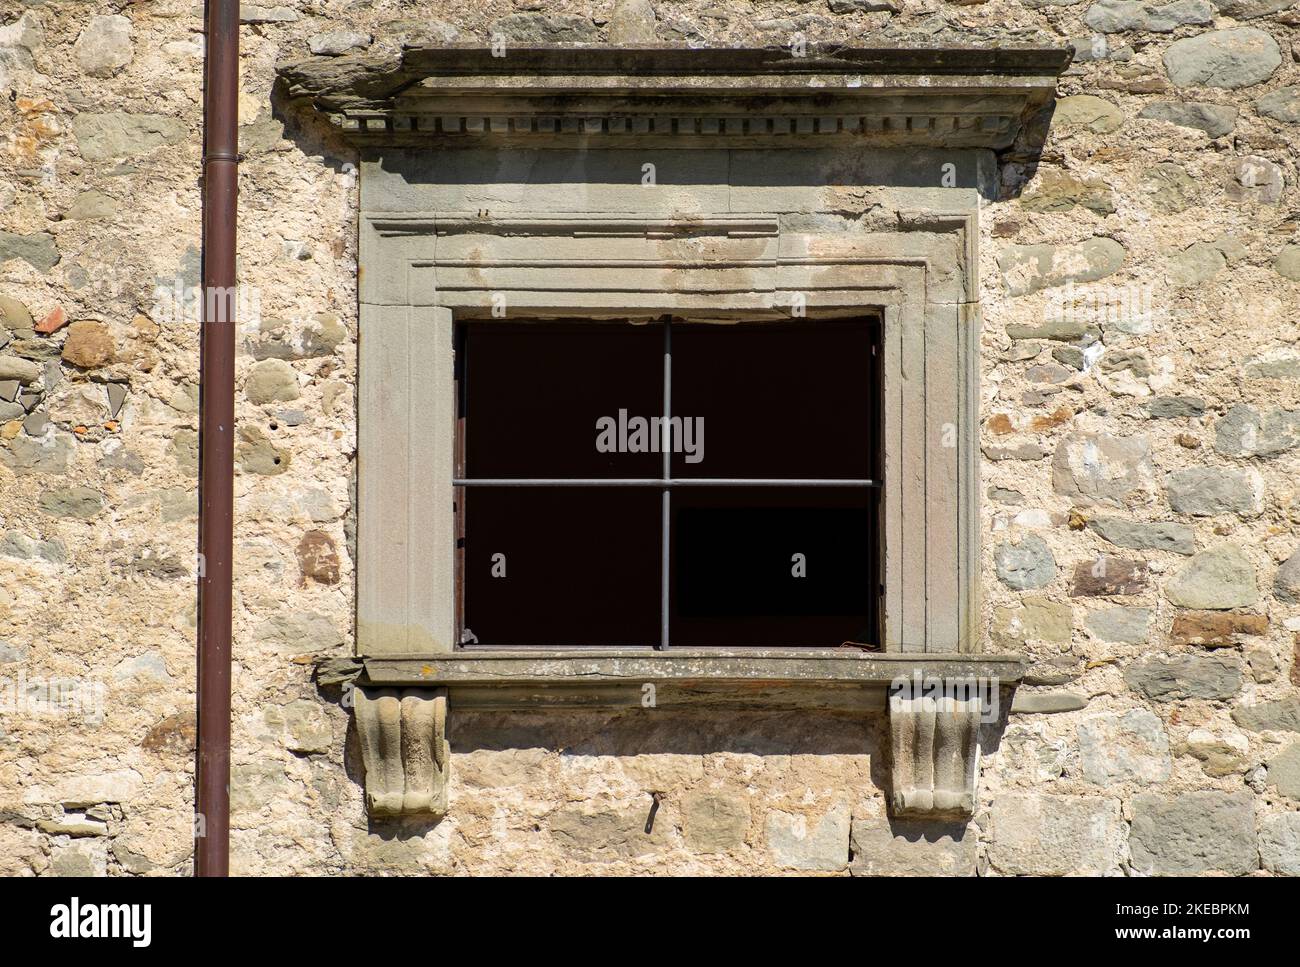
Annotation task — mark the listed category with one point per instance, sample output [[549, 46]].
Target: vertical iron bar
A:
[[665, 444]]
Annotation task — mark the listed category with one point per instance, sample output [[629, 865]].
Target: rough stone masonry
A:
[[1141, 517]]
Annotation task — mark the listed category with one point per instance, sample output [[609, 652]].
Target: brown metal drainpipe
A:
[[217, 436]]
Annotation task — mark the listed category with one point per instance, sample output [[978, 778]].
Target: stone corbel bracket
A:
[[405, 750], [934, 727]]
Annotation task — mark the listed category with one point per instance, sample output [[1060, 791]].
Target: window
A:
[[668, 483], [727, 186]]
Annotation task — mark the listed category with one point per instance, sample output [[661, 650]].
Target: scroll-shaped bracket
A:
[[405, 750], [934, 741]]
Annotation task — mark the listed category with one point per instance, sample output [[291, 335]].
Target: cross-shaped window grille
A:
[[573, 434]]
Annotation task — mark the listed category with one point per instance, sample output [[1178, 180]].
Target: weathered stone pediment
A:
[[927, 96]]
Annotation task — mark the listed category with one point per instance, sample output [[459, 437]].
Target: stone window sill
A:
[[759, 679]]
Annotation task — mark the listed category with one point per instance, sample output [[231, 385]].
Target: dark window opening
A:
[[751, 521]]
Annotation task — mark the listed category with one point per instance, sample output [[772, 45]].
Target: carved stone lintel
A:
[[980, 96], [404, 747], [934, 743]]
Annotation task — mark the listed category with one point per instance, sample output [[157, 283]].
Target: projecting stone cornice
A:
[[960, 97]]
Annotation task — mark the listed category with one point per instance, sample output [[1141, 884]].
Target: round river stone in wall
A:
[[1223, 58]]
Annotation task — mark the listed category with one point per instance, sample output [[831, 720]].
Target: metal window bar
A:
[[663, 482], [666, 483], [665, 499]]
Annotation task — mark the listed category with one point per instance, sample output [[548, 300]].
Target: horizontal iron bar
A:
[[657, 482]]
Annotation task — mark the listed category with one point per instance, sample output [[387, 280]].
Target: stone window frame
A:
[[923, 290], [429, 256]]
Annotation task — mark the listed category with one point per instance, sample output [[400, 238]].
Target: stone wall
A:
[[1141, 429]]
